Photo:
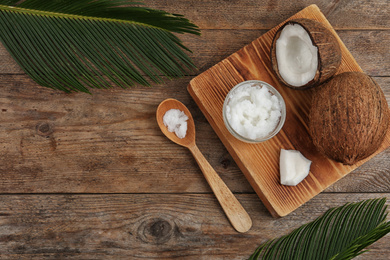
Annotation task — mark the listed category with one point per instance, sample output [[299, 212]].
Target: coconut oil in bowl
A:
[[254, 111]]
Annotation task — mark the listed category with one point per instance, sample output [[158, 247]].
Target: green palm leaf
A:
[[74, 45], [340, 234]]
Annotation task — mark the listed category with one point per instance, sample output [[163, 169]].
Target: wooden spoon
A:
[[237, 215]]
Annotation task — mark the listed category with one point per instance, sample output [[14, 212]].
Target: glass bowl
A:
[[238, 88]]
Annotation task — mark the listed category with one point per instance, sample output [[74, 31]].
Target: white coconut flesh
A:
[[296, 56], [294, 167]]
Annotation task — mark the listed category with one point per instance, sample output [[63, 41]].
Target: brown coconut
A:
[[329, 53], [349, 117]]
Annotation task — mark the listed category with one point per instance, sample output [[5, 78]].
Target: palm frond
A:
[[74, 45], [341, 233]]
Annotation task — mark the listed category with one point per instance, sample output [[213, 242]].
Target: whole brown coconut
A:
[[325, 56], [349, 117]]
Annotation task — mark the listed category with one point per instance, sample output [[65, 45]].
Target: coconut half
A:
[[304, 53]]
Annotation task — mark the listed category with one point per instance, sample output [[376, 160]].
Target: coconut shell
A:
[[349, 117], [329, 52]]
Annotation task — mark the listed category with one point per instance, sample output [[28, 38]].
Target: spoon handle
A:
[[236, 214]]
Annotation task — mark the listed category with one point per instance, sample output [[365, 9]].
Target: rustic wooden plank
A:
[[110, 142], [100, 143], [149, 226], [247, 14], [369, 48]]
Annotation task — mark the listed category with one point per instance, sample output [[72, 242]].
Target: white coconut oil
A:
[[253, 110], [176, 121]]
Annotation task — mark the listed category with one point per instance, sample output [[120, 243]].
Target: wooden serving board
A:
[[260, 162]]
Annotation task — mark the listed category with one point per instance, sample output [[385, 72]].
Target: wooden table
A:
[[92, 177]]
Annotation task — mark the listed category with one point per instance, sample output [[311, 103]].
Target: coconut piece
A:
[[349, 117], [294, 167], [304, 53]]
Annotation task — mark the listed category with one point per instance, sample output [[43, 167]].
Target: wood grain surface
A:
[[92, 177], [146, 226]]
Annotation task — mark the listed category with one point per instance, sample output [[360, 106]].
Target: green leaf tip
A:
[[76, 45], [341, 233]]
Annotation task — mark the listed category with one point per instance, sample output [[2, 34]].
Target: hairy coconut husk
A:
[[349, 117], [329, 52]]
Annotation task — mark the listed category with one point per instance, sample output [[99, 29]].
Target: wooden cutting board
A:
[[260, 162]]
